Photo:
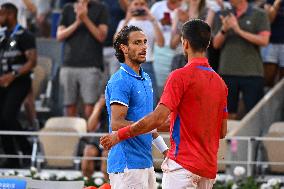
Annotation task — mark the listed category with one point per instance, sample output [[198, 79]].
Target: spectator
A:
[[163, 11], [82, 24], [138, 14], [189, 10], [273, 54], [24, 7], [42, 24], [239, 35], [18, 58], [116, 11], [98, 122]]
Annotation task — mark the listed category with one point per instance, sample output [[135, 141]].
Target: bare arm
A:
[[65, 32], [144, 125], [159, 38], [158, 34], [31, 56], [123, 4], [223, 130], [272, 10], [219, 38], [30, 6], [118, 115], [152, 121], [99, 32], [175, 36], [7, 79], [95, 117], [256, 39]]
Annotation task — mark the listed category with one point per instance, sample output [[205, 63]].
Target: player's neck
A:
[[134, 66], [192, 55]]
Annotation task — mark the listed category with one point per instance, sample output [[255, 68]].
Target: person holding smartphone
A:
[[163, 11]]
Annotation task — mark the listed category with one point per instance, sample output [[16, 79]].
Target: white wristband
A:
[[160, 144]]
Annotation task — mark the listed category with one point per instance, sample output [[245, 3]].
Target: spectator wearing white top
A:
[[163, 11]]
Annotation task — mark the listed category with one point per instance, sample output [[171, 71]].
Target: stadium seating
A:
[[62, 145], [274, 149]]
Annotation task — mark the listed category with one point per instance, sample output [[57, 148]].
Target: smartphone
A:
[[167, 17], [139, 12]]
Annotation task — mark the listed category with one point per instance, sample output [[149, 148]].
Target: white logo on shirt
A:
[[139, 92]]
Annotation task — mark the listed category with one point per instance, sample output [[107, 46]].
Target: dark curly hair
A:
[[122, 38]]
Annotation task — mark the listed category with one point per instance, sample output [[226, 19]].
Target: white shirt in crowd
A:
[[158, 10]]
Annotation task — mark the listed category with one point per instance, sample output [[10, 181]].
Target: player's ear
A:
[[124, 49], [185, 43]]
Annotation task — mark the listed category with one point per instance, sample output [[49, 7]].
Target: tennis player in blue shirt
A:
[[129, 97]]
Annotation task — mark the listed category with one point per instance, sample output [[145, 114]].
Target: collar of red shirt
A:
[[201, 61]]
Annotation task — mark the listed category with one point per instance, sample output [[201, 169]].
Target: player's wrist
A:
[[124, 133], [160, 144]]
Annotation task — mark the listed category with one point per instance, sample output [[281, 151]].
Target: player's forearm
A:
[[118, 124], [152, 121]]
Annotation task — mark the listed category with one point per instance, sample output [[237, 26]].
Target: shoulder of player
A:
[[120, 79]]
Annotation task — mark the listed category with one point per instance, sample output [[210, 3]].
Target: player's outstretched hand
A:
[[109, 140]]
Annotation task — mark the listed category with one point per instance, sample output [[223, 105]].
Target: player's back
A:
[[197, 120]]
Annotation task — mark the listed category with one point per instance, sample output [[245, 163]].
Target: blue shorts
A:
[[273, 53]]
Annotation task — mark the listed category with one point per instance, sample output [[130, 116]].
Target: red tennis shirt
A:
[[197, 98]]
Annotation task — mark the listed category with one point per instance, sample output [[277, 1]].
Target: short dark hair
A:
[[122, 38], [10, 7], [198, 33]]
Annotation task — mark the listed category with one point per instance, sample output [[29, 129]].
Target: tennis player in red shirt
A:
[[196, 98]]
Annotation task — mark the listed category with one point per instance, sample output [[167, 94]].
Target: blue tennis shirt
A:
[[129, 89]]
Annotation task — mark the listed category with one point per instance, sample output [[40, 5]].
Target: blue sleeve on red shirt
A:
[[225, 115], [173, 91]]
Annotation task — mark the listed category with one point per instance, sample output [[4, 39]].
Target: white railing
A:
[[249, 162]]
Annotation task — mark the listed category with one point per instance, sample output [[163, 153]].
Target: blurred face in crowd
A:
[[136, 49], [83, 1], [2, 17], [175, 1], [138, 4], [5, 16], [235, 3]]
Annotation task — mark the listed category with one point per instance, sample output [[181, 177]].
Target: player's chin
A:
[[142, 60]]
